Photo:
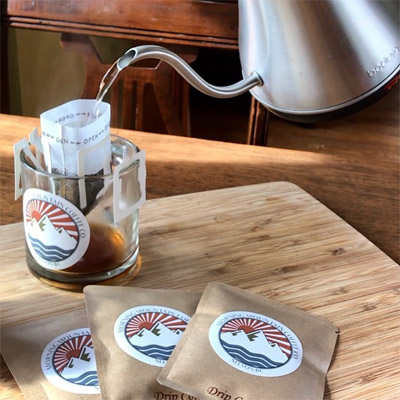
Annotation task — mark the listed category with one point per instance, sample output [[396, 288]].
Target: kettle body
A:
[[319, 58], [305, 60]]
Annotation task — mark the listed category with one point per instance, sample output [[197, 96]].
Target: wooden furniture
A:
[[273, 239], [193, 23], [187, 22]]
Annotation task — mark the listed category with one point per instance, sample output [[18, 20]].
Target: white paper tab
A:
[[23, 145]]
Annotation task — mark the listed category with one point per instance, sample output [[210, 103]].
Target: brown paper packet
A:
[[266, 350], [123, 317], [27, 346]]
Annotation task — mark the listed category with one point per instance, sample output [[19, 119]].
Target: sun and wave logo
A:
[[56, 231], [150, 333], [52, 232], [255, 344], [74, 361], [69, 363]]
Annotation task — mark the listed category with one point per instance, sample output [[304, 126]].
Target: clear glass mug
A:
[[84, 230]]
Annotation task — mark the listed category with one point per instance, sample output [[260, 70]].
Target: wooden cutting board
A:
[[273, 239]]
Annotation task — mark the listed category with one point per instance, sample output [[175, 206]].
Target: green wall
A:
[[43, 75]]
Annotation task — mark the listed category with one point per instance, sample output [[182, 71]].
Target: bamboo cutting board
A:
[[273, 239]]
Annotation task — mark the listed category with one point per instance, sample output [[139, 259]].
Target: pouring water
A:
[[110, 77]]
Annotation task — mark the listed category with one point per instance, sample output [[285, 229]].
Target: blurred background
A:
[[51, 57]]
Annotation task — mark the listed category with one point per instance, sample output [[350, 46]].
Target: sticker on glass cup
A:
[[56, 232], [255, 344], [150, 333], [68, 362]]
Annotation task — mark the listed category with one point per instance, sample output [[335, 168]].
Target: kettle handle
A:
[[182, 67]]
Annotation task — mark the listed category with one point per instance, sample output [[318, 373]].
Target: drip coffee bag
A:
[[76, 142], [52, 358], [240, 346], [134, 332]]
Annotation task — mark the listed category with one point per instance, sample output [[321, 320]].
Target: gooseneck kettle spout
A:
[[182, 67]]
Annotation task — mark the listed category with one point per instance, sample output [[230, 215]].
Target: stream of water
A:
[[110, 76]]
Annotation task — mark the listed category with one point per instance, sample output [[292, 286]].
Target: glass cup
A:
[[84, 230]]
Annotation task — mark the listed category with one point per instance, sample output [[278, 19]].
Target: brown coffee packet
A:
[[134, 332], [52, 358], [240, 346]]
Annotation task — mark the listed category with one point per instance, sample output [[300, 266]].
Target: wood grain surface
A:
[[361, 187], [273, 239]]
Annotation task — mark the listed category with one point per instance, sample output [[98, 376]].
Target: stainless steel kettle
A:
[[306, 60]]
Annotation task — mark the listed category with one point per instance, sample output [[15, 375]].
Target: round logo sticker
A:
[[255, 344], [56, 231], [68, 362], [150, 333]]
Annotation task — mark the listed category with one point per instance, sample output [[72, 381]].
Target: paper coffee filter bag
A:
[[37, 354], [76, 138]]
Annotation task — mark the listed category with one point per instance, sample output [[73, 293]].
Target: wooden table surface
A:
[[361, 189], [273, 239]]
